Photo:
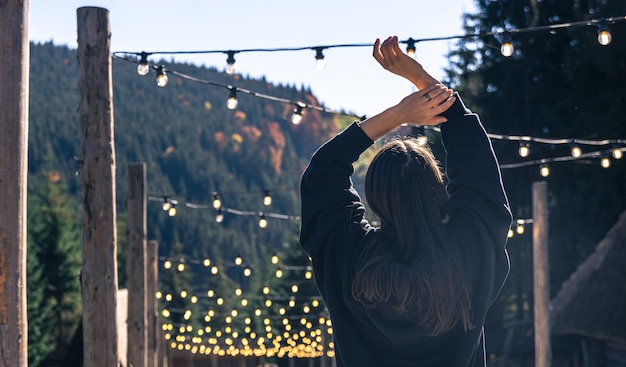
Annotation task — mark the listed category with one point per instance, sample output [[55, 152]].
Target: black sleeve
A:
[[474, 180], [330, 204], [479, 210]]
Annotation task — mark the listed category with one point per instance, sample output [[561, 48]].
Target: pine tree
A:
[[39, 310], [54, 297]]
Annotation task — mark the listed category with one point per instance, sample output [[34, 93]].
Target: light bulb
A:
[[576, 151], [143, 68], [232, 101], [422, 140], [230, 63], [219, 216], [520, 229], [166, 204], [544, 170], [319, 59], [296, 118], [267, 199], [275, 259], [238, 260], [279, 273], [507, 47], [617, 153], [604, 35], [172, 211], [511, 233], [247, 271], [524, 150], [217, 203], [605, 162], [410, 48], [262, 221], [294, 288], [161, 78]]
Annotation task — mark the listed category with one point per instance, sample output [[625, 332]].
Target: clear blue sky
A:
[[352, 79]]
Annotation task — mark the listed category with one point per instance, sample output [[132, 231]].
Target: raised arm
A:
[[393, 59], [423, 107]]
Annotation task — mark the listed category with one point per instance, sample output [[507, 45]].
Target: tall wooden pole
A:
[[99, 236], [14, 78], [541, 275], [136, 266], [154, 331]]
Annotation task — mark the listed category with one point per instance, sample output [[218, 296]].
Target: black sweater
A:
[[334, 230]]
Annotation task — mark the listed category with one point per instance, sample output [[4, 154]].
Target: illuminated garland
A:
[[284, 326]]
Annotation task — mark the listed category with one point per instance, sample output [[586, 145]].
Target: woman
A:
[[415, 291]]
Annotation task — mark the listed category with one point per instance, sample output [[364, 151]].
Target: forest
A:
[[557, 84]]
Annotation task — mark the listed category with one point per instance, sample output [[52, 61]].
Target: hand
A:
[[422, 108], [392, 58], [425, 106]]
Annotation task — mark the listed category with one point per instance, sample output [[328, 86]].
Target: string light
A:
[[605, 162], [238, 260], [247, 271], [172, 209], [267, 198], [296, 117], [166, 204], [161, 78], [576, 151], [544, 170], [617, 153], [507, 48], [262, 221], [232, 101], [143, 68], [219, 216], [319, 58], [230, 62], [410, 47], [275, 259], [524, 149], [217, 203], [604, 35]]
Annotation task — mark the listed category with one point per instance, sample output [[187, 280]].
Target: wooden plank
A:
[[154, 330], [136, 266], [14, 79], [541, 275], [99, 235]]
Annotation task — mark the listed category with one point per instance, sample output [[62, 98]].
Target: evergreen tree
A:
[[39, 310], [54, 263], [557, 84]]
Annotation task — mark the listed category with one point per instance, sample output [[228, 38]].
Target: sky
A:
[[351, 80]]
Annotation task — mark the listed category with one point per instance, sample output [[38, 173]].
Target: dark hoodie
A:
[[334, 231]]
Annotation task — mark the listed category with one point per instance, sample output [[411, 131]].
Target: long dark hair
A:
[[411, 264]]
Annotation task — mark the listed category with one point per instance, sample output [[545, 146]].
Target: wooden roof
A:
[[592, 302]]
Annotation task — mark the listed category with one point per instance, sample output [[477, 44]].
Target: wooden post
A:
[[14, 79], [541, 275], [136, 267], [99, 236], [154, 331]]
